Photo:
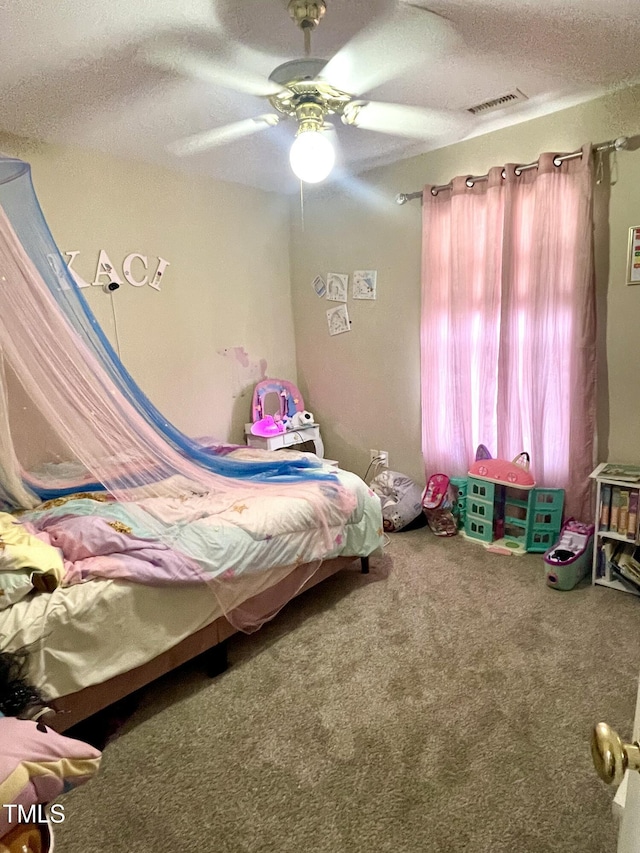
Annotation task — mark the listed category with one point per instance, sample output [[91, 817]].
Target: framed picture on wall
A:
[[338, 320], [337, 284], [633, 256], [364, 284]]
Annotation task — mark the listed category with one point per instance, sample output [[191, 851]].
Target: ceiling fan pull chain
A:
[[307, 41]]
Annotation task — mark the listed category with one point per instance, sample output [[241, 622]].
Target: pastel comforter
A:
[[127, 598], [108, 539]]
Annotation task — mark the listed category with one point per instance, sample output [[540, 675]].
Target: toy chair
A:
[[438, 499]]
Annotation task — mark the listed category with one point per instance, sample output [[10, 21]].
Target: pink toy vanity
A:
[[278, 411]]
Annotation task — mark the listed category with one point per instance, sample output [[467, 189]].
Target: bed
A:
[[96, 639]]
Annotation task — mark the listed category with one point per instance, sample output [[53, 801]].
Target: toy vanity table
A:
[[282, 400], [289, 438]]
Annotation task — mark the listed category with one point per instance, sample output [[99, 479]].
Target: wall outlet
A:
[[381, 456]]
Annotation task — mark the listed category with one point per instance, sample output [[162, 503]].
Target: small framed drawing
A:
[[319, 285], [364, 284], [338, 320], [337, 286], [633, 256]]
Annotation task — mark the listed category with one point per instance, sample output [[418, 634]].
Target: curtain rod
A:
[[618, 144]]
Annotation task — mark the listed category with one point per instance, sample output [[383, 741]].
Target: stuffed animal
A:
[[298, 420]]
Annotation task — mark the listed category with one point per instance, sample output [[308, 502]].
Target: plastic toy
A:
[[435, 491], [514, 473], [459, 509], [507, 546], [505, 510], [290, 399], [299, 419], [267, 426], [438, 500], [568, 560]]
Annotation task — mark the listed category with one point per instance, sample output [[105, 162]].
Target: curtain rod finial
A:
[[401, 198]]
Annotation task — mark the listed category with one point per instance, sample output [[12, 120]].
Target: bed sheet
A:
[[87, 633]]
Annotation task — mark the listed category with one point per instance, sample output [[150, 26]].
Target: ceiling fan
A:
[[308, 90]]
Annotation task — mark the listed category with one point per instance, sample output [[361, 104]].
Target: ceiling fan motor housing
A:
[[310, 116], [301, 90], [307, 14]]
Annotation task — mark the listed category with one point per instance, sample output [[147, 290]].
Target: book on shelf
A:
[[625, 564], [623, 514], [617, 471], [615, 509], [619, 574], [632, 523], [604, 556], [605, 506]]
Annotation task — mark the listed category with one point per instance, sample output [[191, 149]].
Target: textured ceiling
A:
[[78, 71]]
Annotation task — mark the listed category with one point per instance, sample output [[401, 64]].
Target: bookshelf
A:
[[616, 553]]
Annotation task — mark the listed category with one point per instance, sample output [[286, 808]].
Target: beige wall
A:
[[227, 288], [364, 386]]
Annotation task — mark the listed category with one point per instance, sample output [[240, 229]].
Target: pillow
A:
[[14, 586], [37, 766], [26, 562]]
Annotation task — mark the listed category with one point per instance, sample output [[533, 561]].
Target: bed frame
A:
[[211, 639]]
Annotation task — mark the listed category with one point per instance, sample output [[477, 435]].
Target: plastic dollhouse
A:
[[506, 510]]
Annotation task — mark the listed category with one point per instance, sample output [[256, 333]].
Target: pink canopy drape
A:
[[508, 338]]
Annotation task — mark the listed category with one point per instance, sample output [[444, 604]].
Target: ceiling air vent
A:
[[498, 103]]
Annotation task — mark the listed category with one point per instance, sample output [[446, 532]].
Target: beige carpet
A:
[[445, 708]]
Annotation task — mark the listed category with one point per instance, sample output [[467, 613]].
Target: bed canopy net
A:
[[73, 419]]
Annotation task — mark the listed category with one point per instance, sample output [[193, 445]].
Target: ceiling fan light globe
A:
[[312, 156]]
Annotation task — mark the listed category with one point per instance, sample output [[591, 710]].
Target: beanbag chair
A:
[[400, 497]]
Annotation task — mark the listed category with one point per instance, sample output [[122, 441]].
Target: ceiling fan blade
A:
[[401, 120], [221, 135], [201, 66], [388, 48]]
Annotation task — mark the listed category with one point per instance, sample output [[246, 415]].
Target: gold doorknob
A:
[[611, 756]]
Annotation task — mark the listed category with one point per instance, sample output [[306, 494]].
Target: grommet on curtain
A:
[[517, 171], [470, 182], [434, 191], [557, 161], [503, 174]]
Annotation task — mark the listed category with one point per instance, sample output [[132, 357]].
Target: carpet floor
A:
[[444, 703]]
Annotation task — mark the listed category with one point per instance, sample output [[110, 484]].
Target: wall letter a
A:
[[105, 267]]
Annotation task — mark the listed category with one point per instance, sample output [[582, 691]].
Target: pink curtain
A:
[[508, 324]]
